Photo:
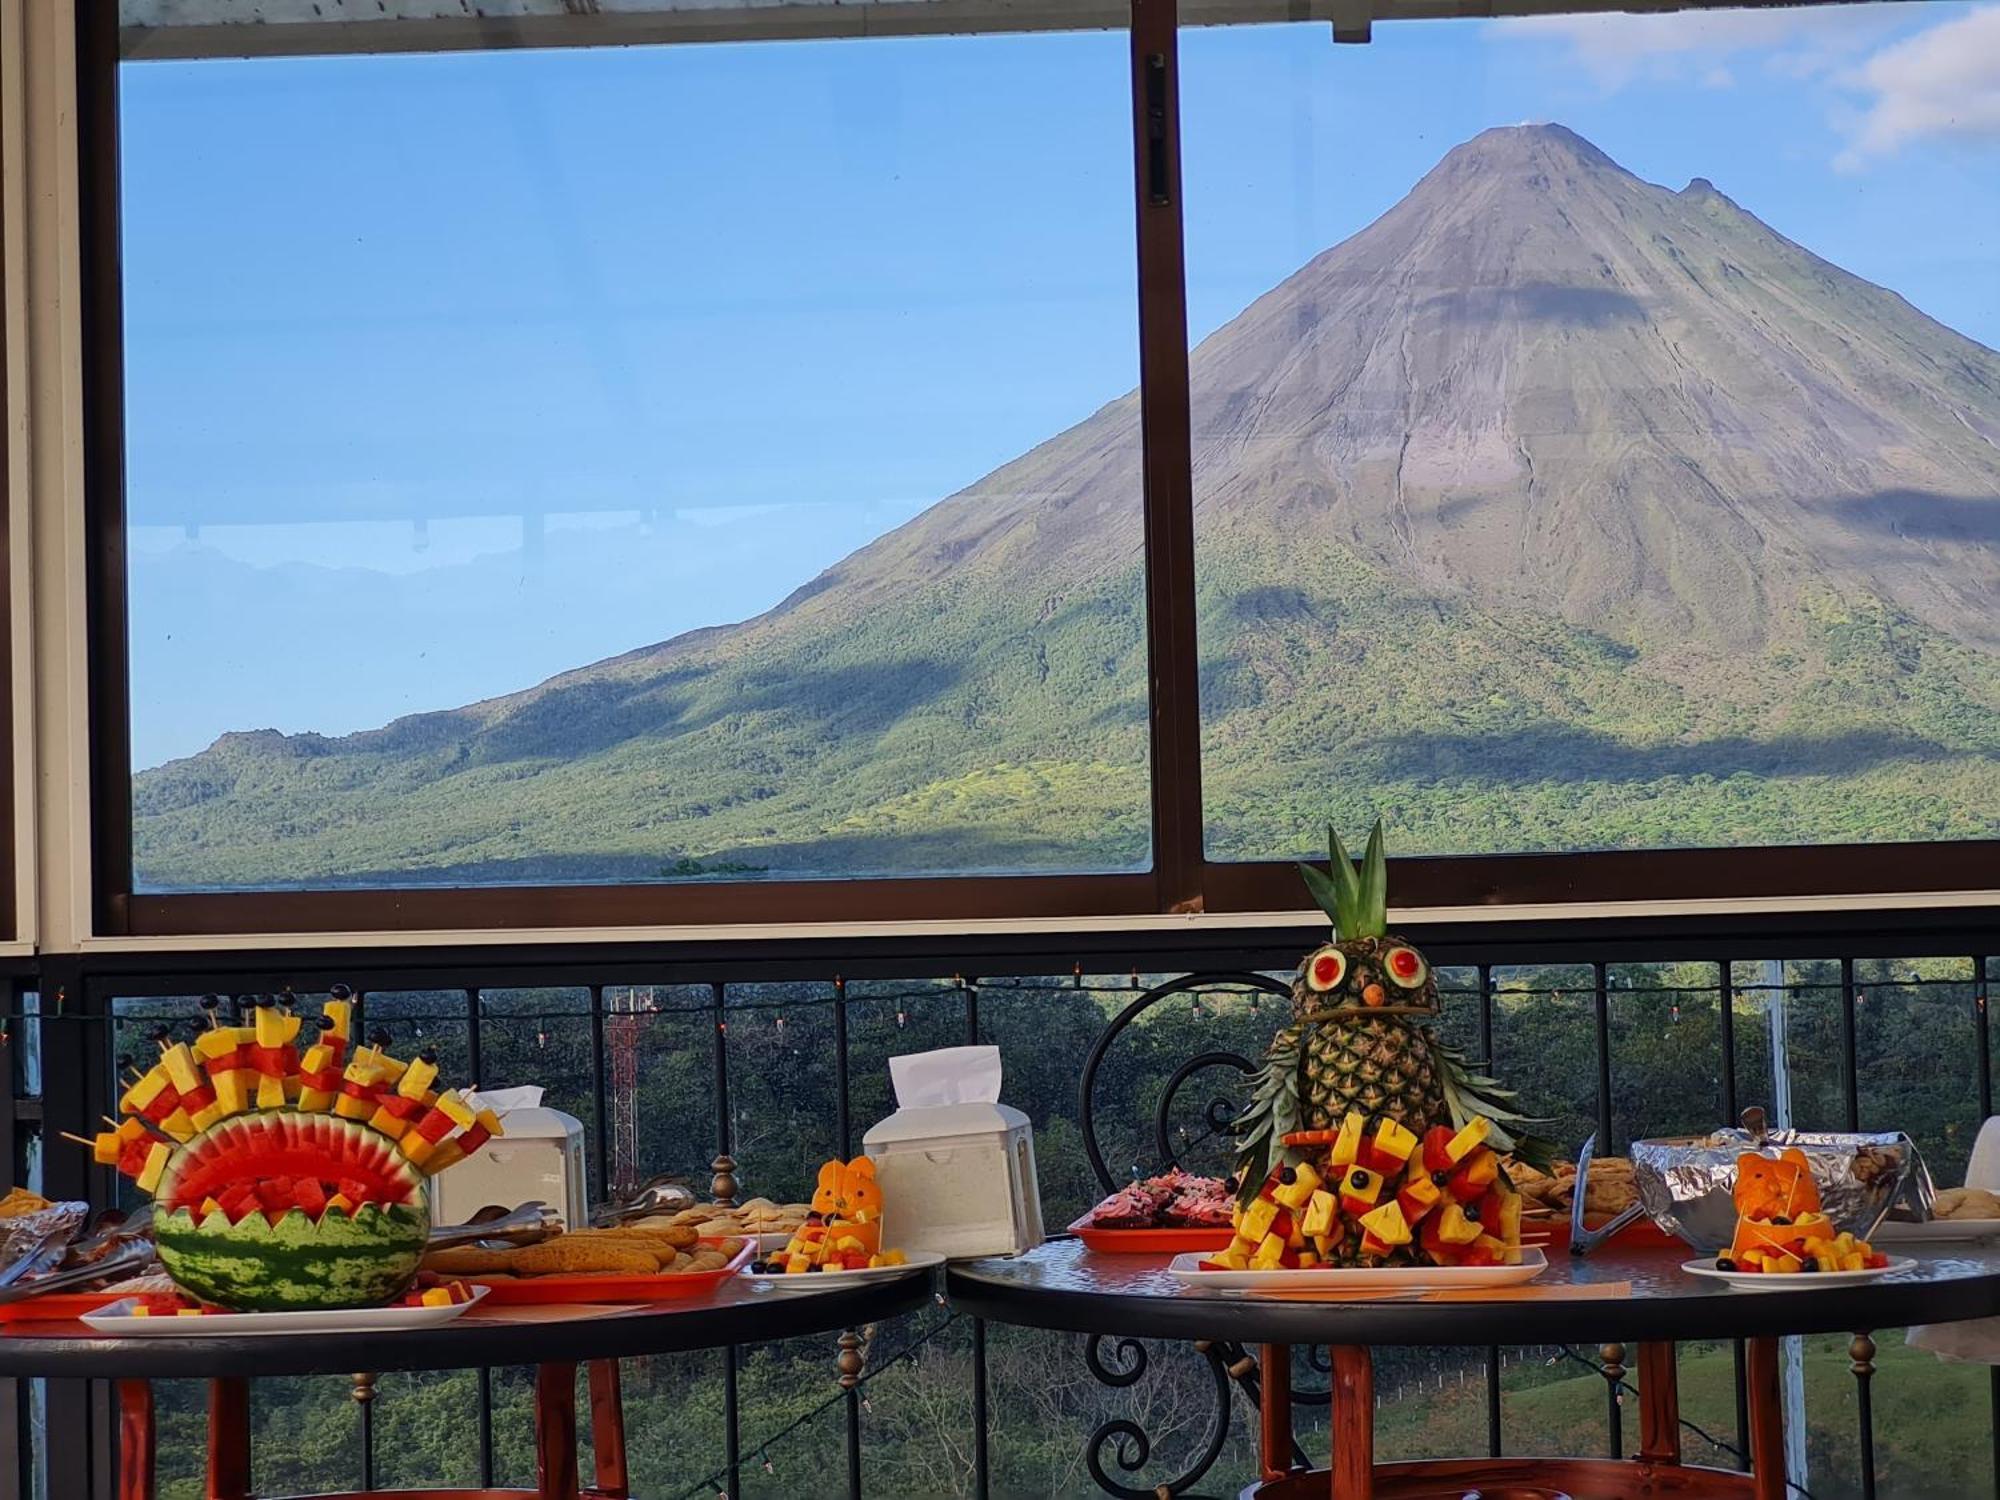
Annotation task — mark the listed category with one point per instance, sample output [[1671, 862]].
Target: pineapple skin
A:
[[1363, 1056]]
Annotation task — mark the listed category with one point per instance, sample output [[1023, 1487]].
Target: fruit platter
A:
[[289, 1167], [1783, 1236], [841, 1238], [1161, 1215], [1370, 1145], [168, 1315]]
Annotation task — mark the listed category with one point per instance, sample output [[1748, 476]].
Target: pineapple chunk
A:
[[1347, 1144], [1319, 1213], [1307, 1260], [270, 1092], [1305, 1181], [1454, 1228], [1269, 1253], [156, 1164], [1361, 1185], [1387, 1224], [1257, 1220], [1393, 1140], [437, 1296], [1419, 1196], [1473, 1135], [1235, 1258]]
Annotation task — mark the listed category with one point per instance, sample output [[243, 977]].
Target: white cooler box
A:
[[958, 1174]]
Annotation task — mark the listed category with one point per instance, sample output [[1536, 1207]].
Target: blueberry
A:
[[1724, 1263], [1289, 1176], [1781, 1220]]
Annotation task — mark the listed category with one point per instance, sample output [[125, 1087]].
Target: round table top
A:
[[1064, 1286], [735, 1313]]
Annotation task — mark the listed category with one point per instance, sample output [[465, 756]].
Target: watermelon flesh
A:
[[290, 1262], [274, 1153]]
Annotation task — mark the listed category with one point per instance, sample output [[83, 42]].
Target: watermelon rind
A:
[[363, 1259]]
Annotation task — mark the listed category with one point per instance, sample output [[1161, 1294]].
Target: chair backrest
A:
[[1983, 1171]]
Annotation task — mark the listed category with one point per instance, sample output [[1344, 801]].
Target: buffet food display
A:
[[843, 1227], [288, 1167]]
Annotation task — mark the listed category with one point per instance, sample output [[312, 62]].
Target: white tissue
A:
[[950, 1075], [500, 1101]]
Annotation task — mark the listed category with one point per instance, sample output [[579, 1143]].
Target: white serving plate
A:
[[1796, 1281], [1187, 1268], [1936, 1232], [117, 1319], [820, 1281]]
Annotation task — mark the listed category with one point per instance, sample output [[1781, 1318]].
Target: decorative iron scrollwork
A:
[[1126, 1442]]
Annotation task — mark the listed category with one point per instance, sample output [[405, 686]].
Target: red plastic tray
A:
[[526, 1291], [1553, 1234], [57, 1307], [1149, 1241]]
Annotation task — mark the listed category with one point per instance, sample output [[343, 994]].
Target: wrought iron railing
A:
[[788, 1055]]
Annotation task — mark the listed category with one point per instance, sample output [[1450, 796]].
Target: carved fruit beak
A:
[[1373, 995]]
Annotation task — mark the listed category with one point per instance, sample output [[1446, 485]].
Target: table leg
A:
[[1659, 1404], [135, 1440], [1353, 1422], [1767, 1420], [555, 1432], [229, 1440], [1274, 1409], [607, 1431]]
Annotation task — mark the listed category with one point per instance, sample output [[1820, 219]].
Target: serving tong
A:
[[1581, 1240], [659, 1195]]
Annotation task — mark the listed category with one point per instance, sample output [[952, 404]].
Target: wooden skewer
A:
[[81, 1140]]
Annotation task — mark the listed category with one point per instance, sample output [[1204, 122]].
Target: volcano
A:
[[1554, 509]]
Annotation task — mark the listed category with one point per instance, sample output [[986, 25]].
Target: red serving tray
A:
[[527, 1291], [1553, 1234], [58, 1307], [1149, 1241]]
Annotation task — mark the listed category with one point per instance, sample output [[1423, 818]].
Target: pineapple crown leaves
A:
[[1356, 900], [1468, 1093], [1273, 1113]]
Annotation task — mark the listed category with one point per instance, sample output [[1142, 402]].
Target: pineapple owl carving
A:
[[1362, 1037]]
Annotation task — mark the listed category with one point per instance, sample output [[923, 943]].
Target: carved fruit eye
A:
[[1406, 967], [1326, 969]]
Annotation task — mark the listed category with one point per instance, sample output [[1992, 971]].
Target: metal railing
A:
[[67, 1025]]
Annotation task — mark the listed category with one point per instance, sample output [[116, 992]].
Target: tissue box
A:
[[958, 1178]]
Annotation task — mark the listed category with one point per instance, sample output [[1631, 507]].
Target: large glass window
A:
[[1597, 430], [634, 464]]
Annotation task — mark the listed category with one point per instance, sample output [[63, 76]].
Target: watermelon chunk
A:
[[310, 1196], [285, 1147]]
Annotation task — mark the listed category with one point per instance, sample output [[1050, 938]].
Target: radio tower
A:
[[622, 1029]]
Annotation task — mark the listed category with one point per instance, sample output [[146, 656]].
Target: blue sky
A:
[[447, 373]]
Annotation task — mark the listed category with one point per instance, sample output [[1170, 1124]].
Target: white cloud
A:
[[1616, 49], [1940, 82]]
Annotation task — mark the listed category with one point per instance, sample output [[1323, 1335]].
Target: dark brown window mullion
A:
[[1174, 688], [109, 697]]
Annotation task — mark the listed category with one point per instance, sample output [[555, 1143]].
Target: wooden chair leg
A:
[[1767, 1420], [136, 1440], [607, 1431], [1274, 1409], [555, 1432], [1353, 1421], [1659, 1404]]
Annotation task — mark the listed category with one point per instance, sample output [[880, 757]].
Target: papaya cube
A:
[[1307, 1260], [1387, 1224], [1257, 1220], [1319, 1213], [1372, 1246], [1305, 1181], [437, 1296], [1469, 1138], [1347, 1143], [1269, 1253], [1475, 1174]]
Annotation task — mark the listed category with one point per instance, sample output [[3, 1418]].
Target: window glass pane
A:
[[1627, 477], [636, 464]]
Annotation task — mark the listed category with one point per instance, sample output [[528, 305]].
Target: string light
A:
[[902, 1018], [781, 1022], [541, 1039]]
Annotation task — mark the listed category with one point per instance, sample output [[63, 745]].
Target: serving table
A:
[[1642, 1297], [553, 1339]]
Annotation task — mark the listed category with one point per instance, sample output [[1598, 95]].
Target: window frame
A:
[[1181, 880]]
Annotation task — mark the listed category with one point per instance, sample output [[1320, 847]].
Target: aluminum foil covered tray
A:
[[1687, 1186]]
